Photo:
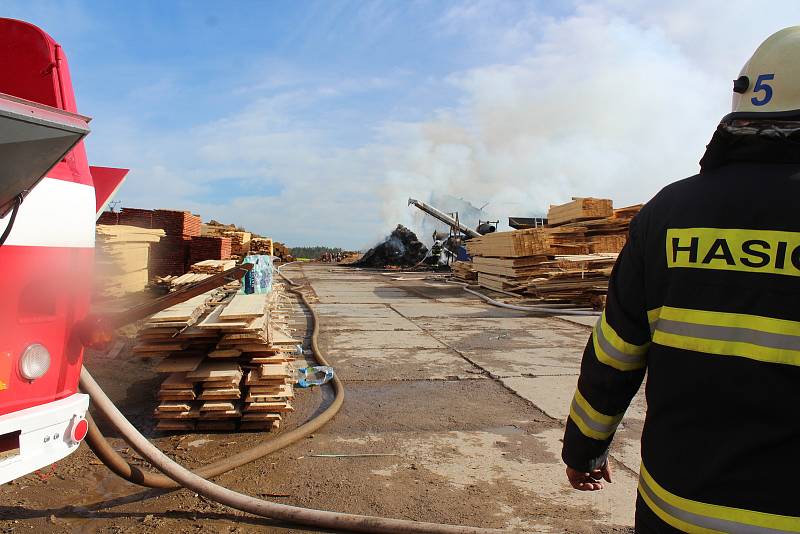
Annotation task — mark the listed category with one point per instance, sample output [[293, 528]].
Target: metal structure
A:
[[442, 216]]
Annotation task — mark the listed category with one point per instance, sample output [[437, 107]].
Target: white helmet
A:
[[769, 85]]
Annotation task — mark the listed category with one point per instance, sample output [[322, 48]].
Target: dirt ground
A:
[[465, 403]]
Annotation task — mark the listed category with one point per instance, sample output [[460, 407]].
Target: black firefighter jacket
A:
[[705, 300]]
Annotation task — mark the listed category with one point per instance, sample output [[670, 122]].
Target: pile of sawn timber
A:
[[227, 358], [197, 272], [569, 261], [122, 254]]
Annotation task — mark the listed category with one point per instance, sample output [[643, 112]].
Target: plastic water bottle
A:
[[313, 376]]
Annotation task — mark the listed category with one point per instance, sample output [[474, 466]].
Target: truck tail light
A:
[[34, 362], [79, 429]]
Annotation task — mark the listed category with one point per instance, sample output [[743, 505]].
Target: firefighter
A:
[[436, 252], [705, 299]]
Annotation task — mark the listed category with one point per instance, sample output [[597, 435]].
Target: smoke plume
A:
[[600, 103]]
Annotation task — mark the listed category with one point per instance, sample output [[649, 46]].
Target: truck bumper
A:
[[43, 434]]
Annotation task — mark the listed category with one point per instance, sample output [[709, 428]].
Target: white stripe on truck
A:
[[55, 213]]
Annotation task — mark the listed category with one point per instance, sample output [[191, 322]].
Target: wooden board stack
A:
[[122, 255], [197, 272], [169, 256], [240, 242], [463, 271], [228, 359], [209, 248], [261, 245], [580, 209], [566, 263]]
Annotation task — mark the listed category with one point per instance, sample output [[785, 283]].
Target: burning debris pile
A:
[[401, 249]]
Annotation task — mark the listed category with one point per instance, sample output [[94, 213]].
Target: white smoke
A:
[[604, 103]]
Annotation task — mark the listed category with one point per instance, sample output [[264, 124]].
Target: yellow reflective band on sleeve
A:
[[698, 517], [614, 351], [652, 318], [755, 337], [592, 423]]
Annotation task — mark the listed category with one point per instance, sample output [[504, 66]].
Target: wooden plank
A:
[[578, 209], [220, 393], [175, 364], [176, 395], [245, 307], [213, 321], [217, 406], [184, 311], [225, 353], [175, 425], [174, 407], [215, 370]]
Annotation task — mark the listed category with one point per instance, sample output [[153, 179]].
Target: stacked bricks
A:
[[209, 248]]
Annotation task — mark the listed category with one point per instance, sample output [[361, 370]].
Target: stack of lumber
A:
[[169, 256], [240, 242], [530, 242], [568, 261], [209, 248], [197, 272], [182, 223], [228, 360], [240, 239], [261, 245], [136, 217], [580, 209], [108, 218], [573, 279], [463, 270], [282, 251], [121, 258]]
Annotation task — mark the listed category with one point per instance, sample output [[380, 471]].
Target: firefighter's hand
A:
[[589, 481]]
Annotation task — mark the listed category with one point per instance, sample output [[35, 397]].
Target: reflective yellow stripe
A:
[[592, 423], [755, 337], [653, 315], [695, 516], [620, 344], [614, 351], [735, 320]]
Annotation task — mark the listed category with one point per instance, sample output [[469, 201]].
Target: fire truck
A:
[[49, 200]]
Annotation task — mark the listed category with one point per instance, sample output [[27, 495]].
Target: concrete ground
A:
[[464, 402]]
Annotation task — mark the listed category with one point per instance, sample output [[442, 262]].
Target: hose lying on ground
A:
[[114, 461], [246, 503], [542, 310], [292, 514]]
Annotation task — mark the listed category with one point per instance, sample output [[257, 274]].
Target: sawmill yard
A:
[[453, 413]]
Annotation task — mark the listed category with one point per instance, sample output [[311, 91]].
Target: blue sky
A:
[[312, 122]]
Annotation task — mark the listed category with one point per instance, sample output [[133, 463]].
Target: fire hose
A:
[[178, 476], [534, 309], [106, 453]]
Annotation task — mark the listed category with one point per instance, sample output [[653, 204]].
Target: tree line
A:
[[312, 253]]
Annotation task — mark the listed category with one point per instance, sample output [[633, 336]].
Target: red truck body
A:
[[47, 260]]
